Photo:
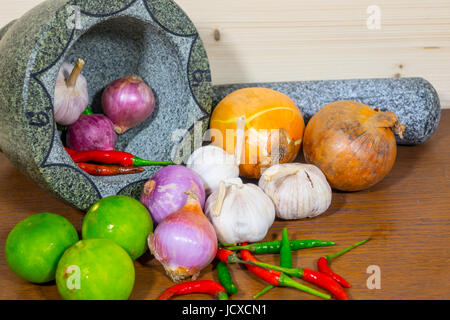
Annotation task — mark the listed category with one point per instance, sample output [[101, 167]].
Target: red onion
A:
[[185, 242], [92, 132], [128, 101], [165, 192]]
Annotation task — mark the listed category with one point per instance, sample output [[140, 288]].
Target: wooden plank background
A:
[[283, 40]]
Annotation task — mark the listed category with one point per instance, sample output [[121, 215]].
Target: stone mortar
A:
[[152, 38]]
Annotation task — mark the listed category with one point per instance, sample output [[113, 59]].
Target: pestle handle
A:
[[413, 100]]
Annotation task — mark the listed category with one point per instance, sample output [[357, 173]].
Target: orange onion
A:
[[273, 128], [353, 144]]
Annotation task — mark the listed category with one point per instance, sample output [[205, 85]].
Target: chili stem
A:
[[263, 291], [285, 281], [88, 111], [337, 254], [142, 162]]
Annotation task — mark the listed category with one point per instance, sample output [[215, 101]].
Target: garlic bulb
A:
[[214, 164], [71, 93], [298, 190], [239, 212]]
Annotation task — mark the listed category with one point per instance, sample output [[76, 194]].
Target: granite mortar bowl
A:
[[156, 40], [153, 39]]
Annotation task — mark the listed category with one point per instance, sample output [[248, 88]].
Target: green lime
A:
[[95, 269], [35, 245], [121, 219]]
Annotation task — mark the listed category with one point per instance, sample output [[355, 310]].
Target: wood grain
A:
[[266, 40], [407, 214]]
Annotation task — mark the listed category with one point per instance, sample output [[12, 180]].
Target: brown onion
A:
[[353, 144]]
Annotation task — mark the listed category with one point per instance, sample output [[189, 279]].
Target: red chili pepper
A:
[[326, 282], [277, 278], [70, 151], [320, 279], [270, 276], [227, 256], [323, 264], [100, 170], [211, 287], [115, 157]]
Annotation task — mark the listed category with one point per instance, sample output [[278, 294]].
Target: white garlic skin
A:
[[246, 216], [298, 190], [213, 164], [69, 103]]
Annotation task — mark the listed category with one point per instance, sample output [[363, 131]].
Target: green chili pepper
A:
[[285, 250], [285, 259], [225, 278], [274, 246]]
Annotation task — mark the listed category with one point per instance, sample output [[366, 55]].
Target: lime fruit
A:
[[122, 219], [35, 245], [95, 269]]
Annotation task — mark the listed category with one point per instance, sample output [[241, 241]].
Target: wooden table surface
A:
[[407, 214], [283, 40]]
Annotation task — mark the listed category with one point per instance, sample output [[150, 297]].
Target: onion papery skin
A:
[[128, 102], [165, 192], [185, 242], [353, 144], [92, 132]]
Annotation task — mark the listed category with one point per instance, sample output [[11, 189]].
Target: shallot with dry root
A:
[[185, 241]]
